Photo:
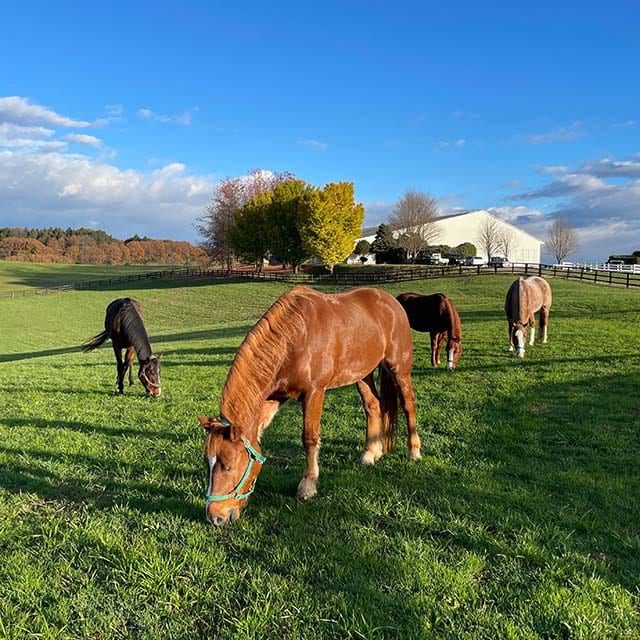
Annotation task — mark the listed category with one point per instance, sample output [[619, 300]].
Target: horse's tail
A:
[[96, 341], [389, 409]]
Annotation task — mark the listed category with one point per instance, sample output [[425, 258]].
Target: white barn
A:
[[462, 227]]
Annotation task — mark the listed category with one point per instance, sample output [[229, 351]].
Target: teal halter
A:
[[254, 456]]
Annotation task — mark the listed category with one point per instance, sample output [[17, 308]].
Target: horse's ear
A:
[[207, 423], [159, 356]]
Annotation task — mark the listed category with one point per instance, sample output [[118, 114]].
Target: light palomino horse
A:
[[524, 298], [305, 344]]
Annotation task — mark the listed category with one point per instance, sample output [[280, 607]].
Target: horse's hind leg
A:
[[544, 321], [131, 354], [311, 410], [408, 402], [371, 403]]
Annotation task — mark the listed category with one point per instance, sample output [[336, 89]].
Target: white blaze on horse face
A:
[[450, 359], [212, 463]]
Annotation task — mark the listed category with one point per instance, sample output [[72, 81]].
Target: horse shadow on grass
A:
[[547, 477]]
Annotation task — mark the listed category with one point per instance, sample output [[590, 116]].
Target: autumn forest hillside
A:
[[91, 246]]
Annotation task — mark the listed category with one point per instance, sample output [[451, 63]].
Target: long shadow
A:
[[560, 469], [38, 354], [98, 430], [206, 334], [100, 484]]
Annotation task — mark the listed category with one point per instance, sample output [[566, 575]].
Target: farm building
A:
[[462, 227]]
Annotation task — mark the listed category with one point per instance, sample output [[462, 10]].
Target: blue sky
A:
[[124, 116]]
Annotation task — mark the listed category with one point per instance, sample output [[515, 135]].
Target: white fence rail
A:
[[600, 266]]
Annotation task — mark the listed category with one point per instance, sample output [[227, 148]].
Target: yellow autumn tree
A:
[[331, 222]]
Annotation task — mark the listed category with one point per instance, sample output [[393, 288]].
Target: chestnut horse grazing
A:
[[306, 343], [123, 324], [437, 315], [524, 298]]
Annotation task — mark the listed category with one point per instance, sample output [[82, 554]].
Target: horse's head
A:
[[233, 465], [454, 351], [520, 335], [149, 375]]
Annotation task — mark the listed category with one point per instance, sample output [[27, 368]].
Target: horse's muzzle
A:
[[220, 520]]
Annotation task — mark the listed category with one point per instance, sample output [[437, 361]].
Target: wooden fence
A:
[[353, 276]]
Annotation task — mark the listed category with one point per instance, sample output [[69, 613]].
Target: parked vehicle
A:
[[456, 258], [498, 261], [474, 261]]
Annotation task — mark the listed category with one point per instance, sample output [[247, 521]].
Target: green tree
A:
[[247, 235], [283, 223], [384, 240], [331, 223]]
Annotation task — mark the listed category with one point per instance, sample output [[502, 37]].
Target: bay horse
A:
[[437, 315], [123, 324], [524, 298], [306, 343]]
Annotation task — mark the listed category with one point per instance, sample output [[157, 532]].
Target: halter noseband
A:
[[254, 456]]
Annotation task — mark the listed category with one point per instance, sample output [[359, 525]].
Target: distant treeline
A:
[[93, 246]]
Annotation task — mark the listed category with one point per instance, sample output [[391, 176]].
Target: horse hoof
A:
[[306, 491], [369, 458], [414, 454]]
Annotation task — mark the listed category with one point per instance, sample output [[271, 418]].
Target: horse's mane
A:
[[456, 327], [132, 327], [262, 353], [518, 300]]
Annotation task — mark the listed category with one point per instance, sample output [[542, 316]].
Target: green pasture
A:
[[520, 521], [21, 276]]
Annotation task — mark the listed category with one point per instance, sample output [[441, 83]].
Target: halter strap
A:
[[254, 456]]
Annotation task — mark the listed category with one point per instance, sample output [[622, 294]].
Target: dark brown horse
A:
[[524, 298], [123, 324], [437, 315], [306, 343]]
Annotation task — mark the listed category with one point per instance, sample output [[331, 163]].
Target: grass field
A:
[[520, 521], [20, 276]]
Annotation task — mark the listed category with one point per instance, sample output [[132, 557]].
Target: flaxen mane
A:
[[261, 353]]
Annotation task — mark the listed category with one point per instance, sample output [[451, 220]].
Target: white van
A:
[[474, 261]]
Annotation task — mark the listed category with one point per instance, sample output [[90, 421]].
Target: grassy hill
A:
[[18, 276], [520, 521]]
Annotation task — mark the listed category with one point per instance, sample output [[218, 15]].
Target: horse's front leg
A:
[[121, 370], [311, 410], [511, 332], [129, 357], [532, 329], [371, 403]]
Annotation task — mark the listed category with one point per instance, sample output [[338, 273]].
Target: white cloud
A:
[[605, 214], [552, 169], [609, 168], [562, 134], [81, 138], [314, 144], [419, 118], [19, 136], [61, 189], [566, 185], [446, 144], [19, 111], [624, 125], [183, 118], [512, 184]]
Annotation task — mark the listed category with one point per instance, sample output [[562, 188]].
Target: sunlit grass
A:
[[520, 521]]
